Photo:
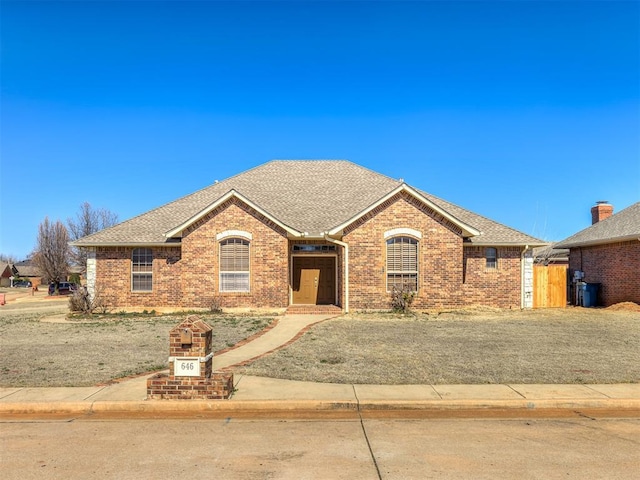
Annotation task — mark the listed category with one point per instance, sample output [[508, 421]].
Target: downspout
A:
[[522, 277], [346, 268]]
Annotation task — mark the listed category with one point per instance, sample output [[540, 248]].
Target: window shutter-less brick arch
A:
[[234, 265], [402, 263]]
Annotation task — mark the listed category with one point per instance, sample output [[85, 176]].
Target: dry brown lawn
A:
[[573, 345], [89, 352]]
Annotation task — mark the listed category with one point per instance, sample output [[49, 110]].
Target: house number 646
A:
[[187, 368]]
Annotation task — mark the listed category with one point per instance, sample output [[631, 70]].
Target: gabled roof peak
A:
[[300, 196]]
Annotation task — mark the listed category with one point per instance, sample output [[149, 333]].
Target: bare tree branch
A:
[[51, 255], [87, 222], [7, 258]]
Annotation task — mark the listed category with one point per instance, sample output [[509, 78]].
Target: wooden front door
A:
[[314, 280]]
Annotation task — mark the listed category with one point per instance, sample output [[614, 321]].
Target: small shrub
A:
[[216, 305], [81, 301], [402, 298]]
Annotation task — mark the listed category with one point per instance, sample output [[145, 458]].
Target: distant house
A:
[[608, 253], [21, 270], [8, 271], [27, 271], [301, 234]]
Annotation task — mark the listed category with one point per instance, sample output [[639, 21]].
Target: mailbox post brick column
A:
[[191, 373]]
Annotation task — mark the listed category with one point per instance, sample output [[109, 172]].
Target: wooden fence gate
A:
[[549, 286]]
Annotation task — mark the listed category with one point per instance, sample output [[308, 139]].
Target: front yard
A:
[[98, 350], [573, 345]]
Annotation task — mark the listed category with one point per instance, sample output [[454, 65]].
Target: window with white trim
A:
[[491, 256], [142, 270], [234, 265], [402, 263]]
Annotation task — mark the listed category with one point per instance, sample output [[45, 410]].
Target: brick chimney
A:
[[601, 210]]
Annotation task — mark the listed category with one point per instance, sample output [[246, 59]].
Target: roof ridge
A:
[[340, 160]]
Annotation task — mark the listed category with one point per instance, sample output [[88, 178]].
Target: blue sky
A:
[[525, 112]]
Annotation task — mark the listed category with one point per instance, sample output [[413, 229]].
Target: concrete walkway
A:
[[287, 330], [257, 396]]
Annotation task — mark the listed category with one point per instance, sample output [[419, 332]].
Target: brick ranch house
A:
[[312, 232], [608, 253]]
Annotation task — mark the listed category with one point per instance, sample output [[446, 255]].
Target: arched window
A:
[[234, 265], [142, 270], [491, 256], [402, 263]]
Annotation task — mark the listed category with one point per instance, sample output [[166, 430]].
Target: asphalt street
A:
[[330, 449]]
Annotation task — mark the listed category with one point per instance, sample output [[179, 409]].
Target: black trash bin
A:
[[590, 295]]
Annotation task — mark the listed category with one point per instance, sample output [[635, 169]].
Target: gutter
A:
[[593, 243], [346, 268]]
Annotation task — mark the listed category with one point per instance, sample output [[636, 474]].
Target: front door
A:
[[314, 280]]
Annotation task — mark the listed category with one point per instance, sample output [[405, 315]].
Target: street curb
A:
[[324, 409]]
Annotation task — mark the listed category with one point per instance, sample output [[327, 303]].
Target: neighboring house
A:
[[27, 270], [21, 270], [8, 271], [608, 253], [310, 232]]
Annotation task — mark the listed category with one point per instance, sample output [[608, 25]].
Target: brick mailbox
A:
[[191, 374]]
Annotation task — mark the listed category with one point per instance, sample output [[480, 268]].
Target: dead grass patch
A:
[[95, 350], [472, 346]]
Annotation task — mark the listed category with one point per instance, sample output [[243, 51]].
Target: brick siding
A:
[[492, 287], [188, 277], [450, 274], [269, 264], [615, 266], [113, 278]]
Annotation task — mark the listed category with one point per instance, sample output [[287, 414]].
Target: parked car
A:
[[64, 288], [22, 284]]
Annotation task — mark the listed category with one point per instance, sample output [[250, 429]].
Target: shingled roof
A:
[[620, 227], [303, 196]]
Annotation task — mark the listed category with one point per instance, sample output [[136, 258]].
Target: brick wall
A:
[[188, 277], [268, 251], [493, 287], [164, 387], [113, 278], [443, 280], [615, 266]]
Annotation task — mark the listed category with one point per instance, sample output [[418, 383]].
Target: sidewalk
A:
[[265, 397]]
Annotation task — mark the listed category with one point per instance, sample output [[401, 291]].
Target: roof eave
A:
[[593, 243], [172, 242], [505, 244], [467, 230]]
